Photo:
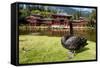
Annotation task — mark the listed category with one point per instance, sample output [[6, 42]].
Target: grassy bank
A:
[[36, 49]]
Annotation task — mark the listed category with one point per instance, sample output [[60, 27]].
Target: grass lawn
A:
[[39, 49]]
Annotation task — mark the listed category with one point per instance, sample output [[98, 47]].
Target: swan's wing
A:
[[72, 43], [64, 38]]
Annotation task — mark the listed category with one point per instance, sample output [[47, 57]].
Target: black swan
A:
[[73, 43]]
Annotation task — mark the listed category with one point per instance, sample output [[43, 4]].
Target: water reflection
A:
[[90, 34]]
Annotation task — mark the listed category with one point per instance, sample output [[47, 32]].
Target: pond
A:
[[89, 33]]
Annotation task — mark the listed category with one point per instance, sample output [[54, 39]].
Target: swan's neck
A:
[[71, 28]]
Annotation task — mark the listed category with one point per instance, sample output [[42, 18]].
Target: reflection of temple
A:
[[55, 21]]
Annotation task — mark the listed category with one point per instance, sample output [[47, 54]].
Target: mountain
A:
[[60, 9], [68, 10]]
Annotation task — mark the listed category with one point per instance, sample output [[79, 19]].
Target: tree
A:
[[92, 18]]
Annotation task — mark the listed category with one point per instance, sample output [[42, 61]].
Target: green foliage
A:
[[35, 12], [92, 19], [28, 10], [93, 14], [77, 15], [24, 13]]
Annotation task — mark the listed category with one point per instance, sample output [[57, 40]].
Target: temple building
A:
[[55, 21], [60, 20]]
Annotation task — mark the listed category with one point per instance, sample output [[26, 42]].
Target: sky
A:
[[84, 9]]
